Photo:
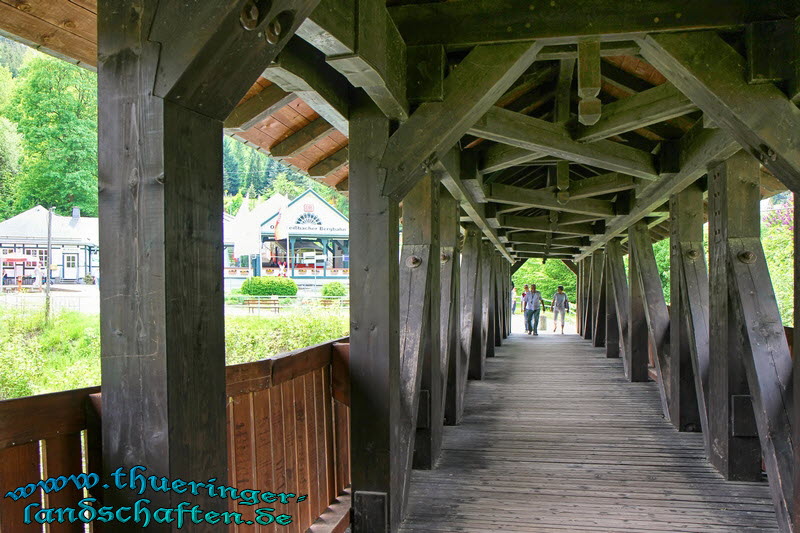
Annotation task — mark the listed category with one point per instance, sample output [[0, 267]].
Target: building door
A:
[[70, 266]]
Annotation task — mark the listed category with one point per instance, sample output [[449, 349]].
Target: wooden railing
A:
[[288, 430]]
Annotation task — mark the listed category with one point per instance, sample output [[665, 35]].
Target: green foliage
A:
[[233, 203], [334, 288], [55, 107], [269, 286], [37, 358], [547, 278], [779, 252], [253, 338], [661, 251], [6, 87], [12, 55]]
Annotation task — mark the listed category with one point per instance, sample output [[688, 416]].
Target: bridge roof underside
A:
[[583, 144]]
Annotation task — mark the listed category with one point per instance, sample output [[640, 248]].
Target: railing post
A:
[[599, 292], [637, 344], [612, 321]]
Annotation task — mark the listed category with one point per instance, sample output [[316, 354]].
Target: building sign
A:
[[309, 216]]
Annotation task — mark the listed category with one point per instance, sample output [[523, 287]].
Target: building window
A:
[[6, 251], [308, 219], [70, 261], [41, 253]]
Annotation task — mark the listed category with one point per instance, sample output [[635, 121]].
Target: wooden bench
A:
[[266, 304]]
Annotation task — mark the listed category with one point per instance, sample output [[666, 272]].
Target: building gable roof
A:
[[31, 227]]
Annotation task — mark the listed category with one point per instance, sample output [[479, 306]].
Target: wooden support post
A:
[[637, 344], [497, 300], [733, 213], [579, 305], [420, 341], [487, 292], [589, 81], [588, 299], [686, 226], [165, 85], [612, 321], [472, 301], [753, 331], [377, 479], [796, 368], [619, 287], [599, 309], [450, 305], [655, 306]]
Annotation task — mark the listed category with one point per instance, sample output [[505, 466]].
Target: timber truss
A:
[[500, 131]]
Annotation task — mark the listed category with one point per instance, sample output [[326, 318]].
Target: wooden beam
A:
[[426, 69], [453, 366], [302, 139], [501, 156], [330, 164], [698, 148], [374, 358], [637, 345], [661, 103], [472, 304], [599, 300], [302, 69], [450, 167], [619, 292], [688, 406], [163, 92], [733, 213], [546, 199], [363, 44], [655, 307], [542, 223], [195, 69], [713, 74], [537, 135], [540, 248], [435, 127], [768, 365], [254, 110], [563, 101], [603, 184], [420, 353], [571, 265], [486, 21], [589, 81], [559, 52], [533, 237], [488, 292], [612, 321]]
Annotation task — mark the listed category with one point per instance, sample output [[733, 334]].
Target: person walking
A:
[[524, 308], [513, 299], [532, 301], [559, 307]]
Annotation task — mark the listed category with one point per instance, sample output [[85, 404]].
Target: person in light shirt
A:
[[559, 307], [532, 304]]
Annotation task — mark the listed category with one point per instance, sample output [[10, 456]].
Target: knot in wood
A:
[[445, 257], [747, 257], [413, 261], [692, 254], [249, 15]]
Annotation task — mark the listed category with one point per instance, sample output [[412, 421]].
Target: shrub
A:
[[266, 286], [334, 288]]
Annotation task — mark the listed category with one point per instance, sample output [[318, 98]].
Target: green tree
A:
[[10, 150], [55, 107], [547, 277], [12, 55]]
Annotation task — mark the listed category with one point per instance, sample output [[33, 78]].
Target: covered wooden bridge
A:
[[501, 131]]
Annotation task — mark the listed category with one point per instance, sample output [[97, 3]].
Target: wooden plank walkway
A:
[[555, 439]]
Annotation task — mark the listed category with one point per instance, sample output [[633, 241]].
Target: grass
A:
[[37, 358]]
